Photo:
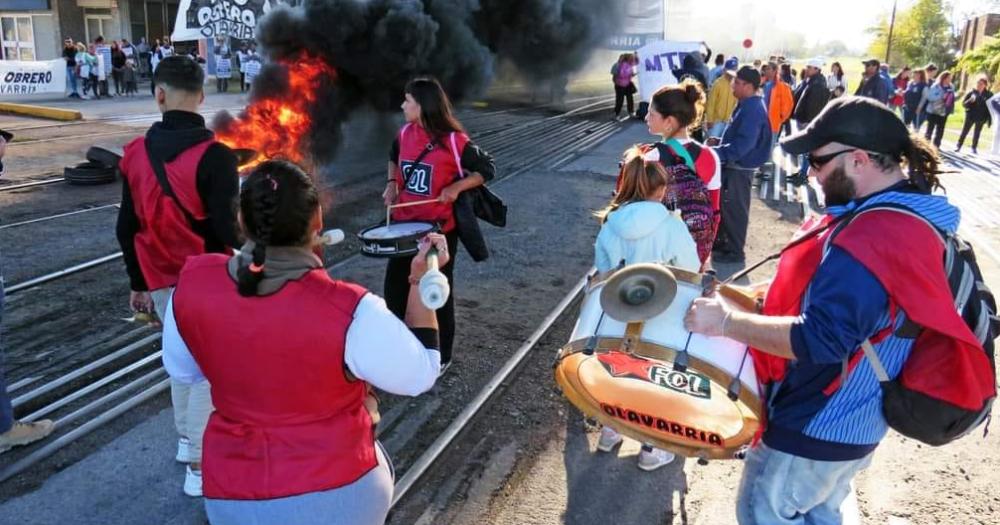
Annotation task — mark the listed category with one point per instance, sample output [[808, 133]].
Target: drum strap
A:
[[427, 149]]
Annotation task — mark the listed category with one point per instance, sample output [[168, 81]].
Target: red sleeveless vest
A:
[[287, 420], [437, 170], [165, 237]]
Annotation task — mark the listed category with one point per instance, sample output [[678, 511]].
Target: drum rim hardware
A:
[[403, 246]]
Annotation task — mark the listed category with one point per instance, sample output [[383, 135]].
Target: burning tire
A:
[[89, 174]]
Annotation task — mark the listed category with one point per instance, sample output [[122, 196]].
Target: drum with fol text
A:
[[654, 381]]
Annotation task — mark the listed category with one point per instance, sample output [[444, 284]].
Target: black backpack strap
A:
[[168, 190], [427, 149]]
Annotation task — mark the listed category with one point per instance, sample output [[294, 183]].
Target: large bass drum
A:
[[656, 382]]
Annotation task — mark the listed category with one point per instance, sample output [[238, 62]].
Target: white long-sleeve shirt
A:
[[379, 349]]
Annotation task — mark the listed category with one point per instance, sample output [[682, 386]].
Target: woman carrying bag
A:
[[432, 158]]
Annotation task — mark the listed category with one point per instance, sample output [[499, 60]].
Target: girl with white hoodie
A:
[[638, 228]]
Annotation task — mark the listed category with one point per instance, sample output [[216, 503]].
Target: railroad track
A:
[[131, 375], [500, 141]]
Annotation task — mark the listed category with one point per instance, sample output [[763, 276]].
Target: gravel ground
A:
[[532, 458]]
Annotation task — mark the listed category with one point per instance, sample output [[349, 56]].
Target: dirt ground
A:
[[532, 459]]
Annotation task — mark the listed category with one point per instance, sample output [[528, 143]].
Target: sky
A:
[[846, 20]]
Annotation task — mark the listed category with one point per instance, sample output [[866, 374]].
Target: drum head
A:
[[394, 240], [638, 292], [689, 412]]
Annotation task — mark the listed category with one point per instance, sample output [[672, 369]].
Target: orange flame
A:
[[278, 126]]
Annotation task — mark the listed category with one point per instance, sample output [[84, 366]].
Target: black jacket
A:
[[811, 97], [217, 181], [975, 106]]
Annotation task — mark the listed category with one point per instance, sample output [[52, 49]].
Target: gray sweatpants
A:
[[192, 402]]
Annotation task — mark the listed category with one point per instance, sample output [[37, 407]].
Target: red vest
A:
[[287, 419], [437, 170], [906, 256], [165, 237]]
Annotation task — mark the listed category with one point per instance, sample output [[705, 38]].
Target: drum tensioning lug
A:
[[702, 460], [681, 362], [588, 349], [741, 454], [734, 390], [708, 283]]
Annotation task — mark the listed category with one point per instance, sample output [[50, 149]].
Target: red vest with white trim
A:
[[166, 238], [436, 171], [287, 418]]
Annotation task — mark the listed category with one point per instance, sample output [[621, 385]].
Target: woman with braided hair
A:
[[291, 355]]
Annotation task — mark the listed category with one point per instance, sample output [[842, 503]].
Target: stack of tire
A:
[[101, 168]]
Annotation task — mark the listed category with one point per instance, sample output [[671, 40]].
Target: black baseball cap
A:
[[872, 62], [855, 121], [749, 74]]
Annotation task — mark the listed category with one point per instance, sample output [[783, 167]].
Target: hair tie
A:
[[274, 182], [255, 268]]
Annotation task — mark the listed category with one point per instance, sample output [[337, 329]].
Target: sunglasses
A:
[[818, 161]]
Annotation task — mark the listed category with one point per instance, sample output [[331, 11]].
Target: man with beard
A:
[[839, 285]]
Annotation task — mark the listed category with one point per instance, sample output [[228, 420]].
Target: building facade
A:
[[35, 29]]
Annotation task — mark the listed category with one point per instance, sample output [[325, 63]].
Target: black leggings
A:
[[976, 126], [935, 128], [397, 291], [621, 95]]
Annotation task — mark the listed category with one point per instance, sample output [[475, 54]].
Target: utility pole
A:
[[892, 25]]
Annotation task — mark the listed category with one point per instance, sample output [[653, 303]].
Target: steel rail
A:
[[64, 440], [58, 216], [437, 448], [19, 287]]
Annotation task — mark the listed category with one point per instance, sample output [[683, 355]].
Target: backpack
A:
[[687, 193], [908, 410], [614, 69]]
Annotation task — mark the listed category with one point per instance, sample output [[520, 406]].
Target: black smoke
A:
[[376, 46]]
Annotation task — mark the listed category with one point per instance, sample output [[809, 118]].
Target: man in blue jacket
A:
[[744, 147]]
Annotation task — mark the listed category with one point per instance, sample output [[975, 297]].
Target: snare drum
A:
[[658, 383], [398, 239]]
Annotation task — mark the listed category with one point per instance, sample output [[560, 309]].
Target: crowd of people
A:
[[285, 433], [99, 69], [924, 98], [828, 332]]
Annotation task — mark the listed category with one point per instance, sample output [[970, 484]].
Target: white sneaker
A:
[[610, 438], [192, 483], [183, 450], [651, 458]]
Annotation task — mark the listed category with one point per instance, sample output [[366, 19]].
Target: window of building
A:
[[96, 25], [18, 37]]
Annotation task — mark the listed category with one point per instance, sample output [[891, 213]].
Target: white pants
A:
[[192, 402]]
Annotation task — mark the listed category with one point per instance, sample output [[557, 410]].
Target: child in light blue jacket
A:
[[638, 228]]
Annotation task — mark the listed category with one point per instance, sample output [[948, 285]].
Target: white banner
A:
[[657, 60], [643, 23], [197, 19], [27, 78]]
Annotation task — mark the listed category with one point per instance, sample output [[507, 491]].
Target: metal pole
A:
[[892, 25]]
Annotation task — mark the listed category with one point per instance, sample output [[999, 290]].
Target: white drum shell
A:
[[667, 330]]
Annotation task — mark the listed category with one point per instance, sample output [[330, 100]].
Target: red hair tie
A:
[[255, 268]]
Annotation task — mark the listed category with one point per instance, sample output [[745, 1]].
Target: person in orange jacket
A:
[[778, 99]]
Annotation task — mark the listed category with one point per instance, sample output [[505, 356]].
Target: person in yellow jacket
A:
[[721, 101]]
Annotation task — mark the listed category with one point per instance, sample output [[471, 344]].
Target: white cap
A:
[[817, 63]]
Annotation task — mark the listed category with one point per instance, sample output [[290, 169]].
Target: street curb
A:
[[40, 111]]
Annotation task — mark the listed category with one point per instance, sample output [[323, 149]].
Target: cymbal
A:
[[638, 292]]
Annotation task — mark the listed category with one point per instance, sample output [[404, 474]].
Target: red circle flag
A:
[[748, 43]]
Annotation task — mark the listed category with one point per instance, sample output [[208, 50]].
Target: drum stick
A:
[[414, 203]]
